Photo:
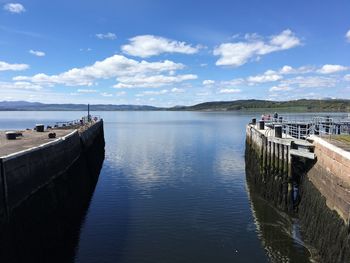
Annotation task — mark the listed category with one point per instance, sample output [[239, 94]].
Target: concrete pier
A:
[[32, 161], [45, 226], [308, 178]]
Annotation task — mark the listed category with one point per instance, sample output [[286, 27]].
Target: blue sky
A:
[[168, 53]]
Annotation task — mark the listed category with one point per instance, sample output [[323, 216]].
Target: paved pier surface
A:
[[341, 141], [28, 140]]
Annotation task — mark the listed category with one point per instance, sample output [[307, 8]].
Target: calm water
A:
[[173, 189]]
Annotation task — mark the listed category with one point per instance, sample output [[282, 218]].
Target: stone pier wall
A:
[[268, 167], [322, 199], [331, 176], [24, 173]]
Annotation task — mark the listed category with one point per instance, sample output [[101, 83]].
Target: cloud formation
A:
[[20, 85], [279, 88], [229, 91], [148, 45], [86, 91], [129, 73], [268, 76], [238, 53], [347, 36], [106, 94], [310, 82], [14, 8], [4, 66], [154, 81], [109, 35], [208, 82], [329, 69], [37, 53]]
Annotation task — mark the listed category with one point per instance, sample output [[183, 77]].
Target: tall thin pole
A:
[[89, 119]]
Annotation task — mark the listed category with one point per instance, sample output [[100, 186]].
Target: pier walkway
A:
[[29, 139]]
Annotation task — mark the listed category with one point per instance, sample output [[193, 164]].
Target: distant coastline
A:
[[302, 105]]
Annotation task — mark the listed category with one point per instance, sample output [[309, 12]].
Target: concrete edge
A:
[[16, 154], [330, 146]]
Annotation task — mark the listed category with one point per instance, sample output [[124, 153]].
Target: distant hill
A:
[[303, 105], [36, 106]]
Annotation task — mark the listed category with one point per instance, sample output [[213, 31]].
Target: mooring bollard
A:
[[278, 131], [254, 121], [39, 127], [280, 119], [11, 135], [261, 125], [52, 135]]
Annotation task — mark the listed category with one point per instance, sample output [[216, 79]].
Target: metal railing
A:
[[77, 122], [317, 125]]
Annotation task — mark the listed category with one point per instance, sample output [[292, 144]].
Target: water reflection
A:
[[46, 227], [278, 232]]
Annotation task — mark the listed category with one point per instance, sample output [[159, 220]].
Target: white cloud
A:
[[15, 67], [86, 91], [347, 77], [329, 68], [279, 88], [14, 8], [152, 93], [310, 82], [239, 53], [109, 35], [154, 81], [37, 53], [105, 94], [229, 91], [21, 85], [112, 67], [177, 90], [122, 86], [149, 45], [268, 76], [232, 82], [120, 93], [301, 70], [85, 49], [347, 36], [208, 82], [203, 94]]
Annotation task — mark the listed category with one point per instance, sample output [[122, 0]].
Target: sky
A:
[[168, 53]]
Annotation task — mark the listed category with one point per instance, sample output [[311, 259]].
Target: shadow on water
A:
[[278, 232], [46, 226]]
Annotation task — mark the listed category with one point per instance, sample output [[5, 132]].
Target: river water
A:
[[173, 189]]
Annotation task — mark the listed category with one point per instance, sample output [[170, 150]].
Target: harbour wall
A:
[[316, 192], [24, 173], [269, 166], [46, 226]]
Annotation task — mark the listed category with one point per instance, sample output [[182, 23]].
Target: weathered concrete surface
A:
[[29, 140], [323, 200], [331, 176], [46, 226], [322, 227], [24, 173], [29, 170], [268, 167], [341, 141]]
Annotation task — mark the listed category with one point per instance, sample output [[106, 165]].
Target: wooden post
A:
[[264, 162], [269, 153], [290, 183], [277, 152]]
